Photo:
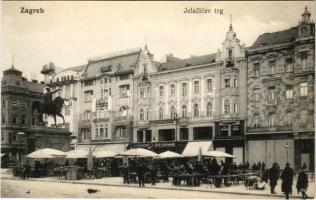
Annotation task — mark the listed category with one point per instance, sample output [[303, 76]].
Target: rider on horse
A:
[[48, 99]]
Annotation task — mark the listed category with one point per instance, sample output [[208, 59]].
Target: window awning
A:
[[192, 149], [117, 148]]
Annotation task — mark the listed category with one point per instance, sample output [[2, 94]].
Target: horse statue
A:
[[49, 107]]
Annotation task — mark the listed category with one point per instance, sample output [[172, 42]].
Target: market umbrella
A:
[[170, 154], [78, 153], [218, 154], [46, 153], [139, 152], [104, 153], [2, 154]]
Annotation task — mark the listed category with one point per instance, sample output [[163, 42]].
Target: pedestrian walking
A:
[[287, 180], [125, 174], [153, 174], [302, 183], [27, 170], [141, 174], [273, 177]]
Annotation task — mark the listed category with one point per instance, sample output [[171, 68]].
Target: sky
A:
[[69, 33]]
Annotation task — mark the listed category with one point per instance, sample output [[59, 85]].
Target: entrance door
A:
[[305, 158]]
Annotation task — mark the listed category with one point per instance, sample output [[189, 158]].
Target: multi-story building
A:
[[107, 100], [68, 81], [17, 116], [193, 99], [281, 67]]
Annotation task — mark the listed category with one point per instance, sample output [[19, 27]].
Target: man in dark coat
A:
[[302, 183], [273, 176], [287, 180], [125, 174], [153, 174], [27, 170], [141, 174]]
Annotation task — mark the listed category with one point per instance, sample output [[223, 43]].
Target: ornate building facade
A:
[[18, 96], [281, 77]]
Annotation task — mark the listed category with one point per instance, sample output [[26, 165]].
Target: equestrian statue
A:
[[49, 106]]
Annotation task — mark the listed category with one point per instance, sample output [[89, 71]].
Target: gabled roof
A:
[[274, 38], [119, 62], [187, 62], [75, 69]]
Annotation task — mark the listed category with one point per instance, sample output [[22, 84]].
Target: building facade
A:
[[68, 81], [17, 115], [280, 109]]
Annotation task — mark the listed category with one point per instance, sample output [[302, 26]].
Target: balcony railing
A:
[[122, 118], [269, 129], [98, 120]]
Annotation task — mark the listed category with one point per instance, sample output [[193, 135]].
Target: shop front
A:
[[160, 147]]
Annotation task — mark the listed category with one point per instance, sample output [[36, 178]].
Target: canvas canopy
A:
[[104, 153], [139, 152], [46, 153], [170, 154], [219, 154], [78, 153], [193, 149]]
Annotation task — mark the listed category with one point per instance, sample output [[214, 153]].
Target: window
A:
[[271, 119], [142, 92], [256, 95], [106, 132], [161, 91], [235, 81], [304, 57], [184, 111], [101, 131], [67, 91], [67, 110], [184, 89], [209, 109], [145, 68], [173, 113], [124, 90], [235, 108], [14, 102], [196, 87], [288, 92], [88, 96], [141, 114], [123, 111], [256, 120], [88, 83], [87, 115], [3, 103], [271, 94], [227, 82], [110, 93], [289, 65], [230, 54], [256, 69], [124, 77], [226, 106], [33, 120], [3, 118], [303, 117], [96, 131], [161, 113], [184, 133], [172, 90], [23, 105], [23, 118], [147, 114], [196, 110], [303, 89], [209, 85], [272, 67], [14, 119], [288, 119], [2, 136]]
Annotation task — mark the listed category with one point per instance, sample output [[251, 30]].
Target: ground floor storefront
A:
[[295, 149]]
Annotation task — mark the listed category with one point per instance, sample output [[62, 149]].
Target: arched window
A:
[[303, 116], [271, 119], [209, 109], [288, 118], [256, 120], [141, 114], [173, 112], [196, 110], [160, 113], [184, 111], [226, 106]]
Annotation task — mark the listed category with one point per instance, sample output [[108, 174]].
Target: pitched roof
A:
[[274, 38], [76, 69], [187, 62], [119, 62]]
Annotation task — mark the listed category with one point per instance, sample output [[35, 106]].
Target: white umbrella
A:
[[139, 152], [104, 153], [2, 154], [78, 153], [218, 154], [170, 154], [46, 153]]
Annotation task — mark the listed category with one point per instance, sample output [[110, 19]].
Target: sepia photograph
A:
[[158, 99]]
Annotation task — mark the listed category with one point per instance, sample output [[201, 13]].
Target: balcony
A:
[[269, 129], [201, 118], [98, 120], [302, 71], [122, 118], [162, 121], [142, 123]]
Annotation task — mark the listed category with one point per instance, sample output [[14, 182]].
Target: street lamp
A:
[[287, 146], [20, 135], [175, 118]]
